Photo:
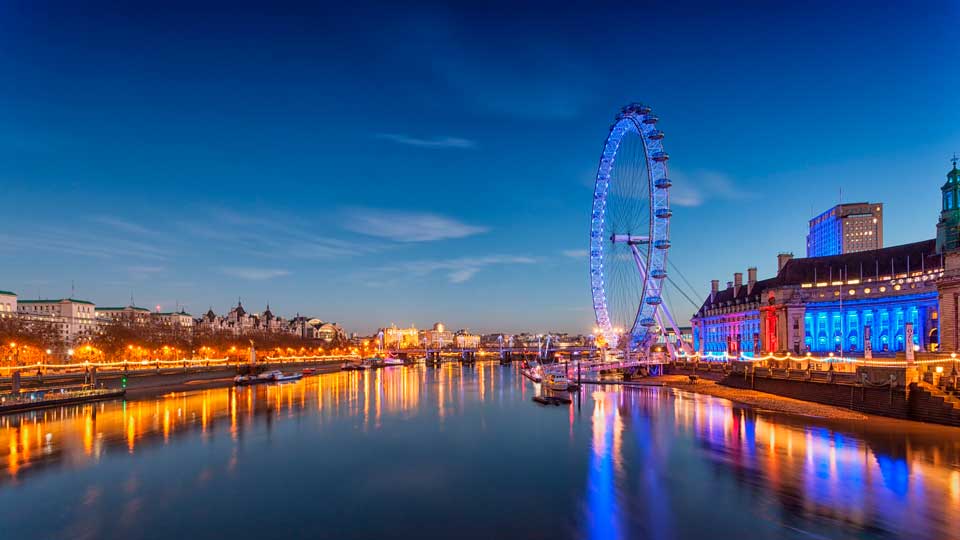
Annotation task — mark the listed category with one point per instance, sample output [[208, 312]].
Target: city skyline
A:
[[440, 167]]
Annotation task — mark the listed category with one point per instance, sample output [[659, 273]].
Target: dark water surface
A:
[[462, 452]]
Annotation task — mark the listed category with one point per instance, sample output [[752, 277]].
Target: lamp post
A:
[[953, 370]]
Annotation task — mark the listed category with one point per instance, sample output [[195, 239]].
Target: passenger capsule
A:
[[663, 183], [660, 156], [637, 108], [654, 300], [655, 135], [651, 119], [662, 244], [663, 213], [648, 322], [658, 273]]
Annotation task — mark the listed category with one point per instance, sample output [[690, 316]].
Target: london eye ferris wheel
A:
[[630, 232]]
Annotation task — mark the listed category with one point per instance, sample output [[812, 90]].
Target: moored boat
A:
[[273, 375], [391, 361], [532, 372], [351, 366], [556, 382]]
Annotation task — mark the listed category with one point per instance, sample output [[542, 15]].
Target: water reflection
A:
[[882, 477], [621, 463]]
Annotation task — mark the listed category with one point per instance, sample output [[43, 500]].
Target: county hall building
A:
[[844, 302]]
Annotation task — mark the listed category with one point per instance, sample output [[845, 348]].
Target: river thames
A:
[[462, 452]]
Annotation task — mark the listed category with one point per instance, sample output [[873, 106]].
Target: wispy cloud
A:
[[575, 253], [144, 272], [123, 225], [689, 189], [269, 234], [85, 244], [407, 226], [254, 274], [433, 142], [461, 269], [698, 187]]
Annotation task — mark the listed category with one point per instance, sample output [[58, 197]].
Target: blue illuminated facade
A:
[[830, 327], [826, 304], [825, 237], [846, 292]]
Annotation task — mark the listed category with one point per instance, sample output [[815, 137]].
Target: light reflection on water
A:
[[462, 451]]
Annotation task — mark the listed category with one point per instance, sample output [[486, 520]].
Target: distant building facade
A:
[[75, 319], [846, 228], [180, 318], [437, 337], [399, 338], [239, 321], [127, 314], [463, 339], [8, 303], [316, 329]]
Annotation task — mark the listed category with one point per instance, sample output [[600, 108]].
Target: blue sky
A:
[[371, 164]]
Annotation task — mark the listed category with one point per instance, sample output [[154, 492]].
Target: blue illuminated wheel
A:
[[630, 230]]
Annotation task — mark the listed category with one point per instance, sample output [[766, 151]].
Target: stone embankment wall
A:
[[878, 391], [713, 371], [881, 401]]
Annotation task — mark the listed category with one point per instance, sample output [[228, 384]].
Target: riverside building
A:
[[75, 319], [8, 303], [883, 299]]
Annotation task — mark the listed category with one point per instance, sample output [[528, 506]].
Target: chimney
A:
[[714, 288], [751, 278], [782, 260], [729, 284], [737, 282]]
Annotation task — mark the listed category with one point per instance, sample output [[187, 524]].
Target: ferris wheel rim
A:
[[638, 119]]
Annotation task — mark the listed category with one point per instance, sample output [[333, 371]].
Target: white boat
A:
[[558, 383], [265, 377], [372, 363], [391, 361]]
